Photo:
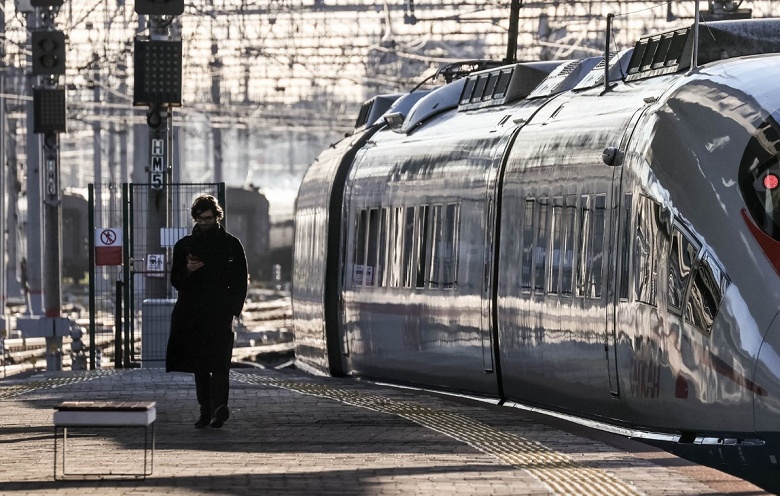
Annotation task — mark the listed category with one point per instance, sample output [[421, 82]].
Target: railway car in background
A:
[[75, 236], [247, 218], [597, 238]]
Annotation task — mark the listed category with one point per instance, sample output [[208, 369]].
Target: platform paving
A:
[[295, 434]]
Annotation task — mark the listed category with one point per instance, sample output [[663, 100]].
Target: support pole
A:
[[32, 268], [4, 178], [695, 51], [52, 254], [514, 27], [608, 42], [46, 118], [159, 117]]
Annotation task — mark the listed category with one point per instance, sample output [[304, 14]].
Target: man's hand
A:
[[193, 263]]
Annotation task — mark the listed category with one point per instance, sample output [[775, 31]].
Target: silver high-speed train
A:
[[599, 238]]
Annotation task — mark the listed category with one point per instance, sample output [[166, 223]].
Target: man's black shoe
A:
[[203, 421], [221, 414]]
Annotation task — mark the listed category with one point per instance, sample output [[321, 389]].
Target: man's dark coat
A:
[[201, 338]]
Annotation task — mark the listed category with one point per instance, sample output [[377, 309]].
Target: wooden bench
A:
[[95, 414]]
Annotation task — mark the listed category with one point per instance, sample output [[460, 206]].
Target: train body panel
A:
[[558, 200], [610, 253], [690, 361], [316, 285], [402, 319]]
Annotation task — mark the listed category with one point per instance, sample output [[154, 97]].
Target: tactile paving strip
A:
[[558, 471], [51, 382]]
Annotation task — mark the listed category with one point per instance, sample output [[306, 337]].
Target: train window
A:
[[556, 231], [597, 250], [625, 251], [443, 260], [382, 262], [304, 243], [450, 240], [422, 244], [396, 251], [437, 224], [309, 240], [682, 255], [528, 242], [372, 243], [408, 245], [359, 260], [581, 277], [647, 246], [540, 251], [706, 295], [569, 242]]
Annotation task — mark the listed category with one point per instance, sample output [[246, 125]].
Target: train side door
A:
[[618, 239], [487, 324], [619, 249], [348, 223], [486, 297]]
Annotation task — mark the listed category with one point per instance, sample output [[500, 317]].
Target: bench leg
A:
[[148, 468], [64, 451], [55, 452]]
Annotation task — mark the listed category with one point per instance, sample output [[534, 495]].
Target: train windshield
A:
[[759, 177]]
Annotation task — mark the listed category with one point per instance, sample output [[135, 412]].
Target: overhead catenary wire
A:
[[316, 57]]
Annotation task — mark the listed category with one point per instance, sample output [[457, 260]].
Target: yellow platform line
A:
[[557, 471]]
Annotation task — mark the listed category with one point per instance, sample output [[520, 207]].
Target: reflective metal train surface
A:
[[532, 234]]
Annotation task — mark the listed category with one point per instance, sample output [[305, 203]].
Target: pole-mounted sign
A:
[[158, 164]]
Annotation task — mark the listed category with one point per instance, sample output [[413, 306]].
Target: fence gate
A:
[[130, 293]]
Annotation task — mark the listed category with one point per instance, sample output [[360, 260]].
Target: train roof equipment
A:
[[565, 77], [372, 110], [670, 52], [481, 89], [618, 65], [505, 84]]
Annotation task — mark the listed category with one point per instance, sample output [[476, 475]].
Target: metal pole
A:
[[34, 233], [606, 49], [118, 326], [216, 76], [93, 273], [13, 189], [4, 261], [160, 120], [514, 26], [97, 149], [695, 54]]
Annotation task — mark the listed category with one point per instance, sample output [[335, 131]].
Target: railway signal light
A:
[[49, 110], [159, 7], [157, 72], [48, 53]]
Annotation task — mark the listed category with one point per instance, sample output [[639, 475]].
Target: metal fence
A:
[[131, 245]]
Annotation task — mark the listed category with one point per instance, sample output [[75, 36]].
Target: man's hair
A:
[[205, 203]]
